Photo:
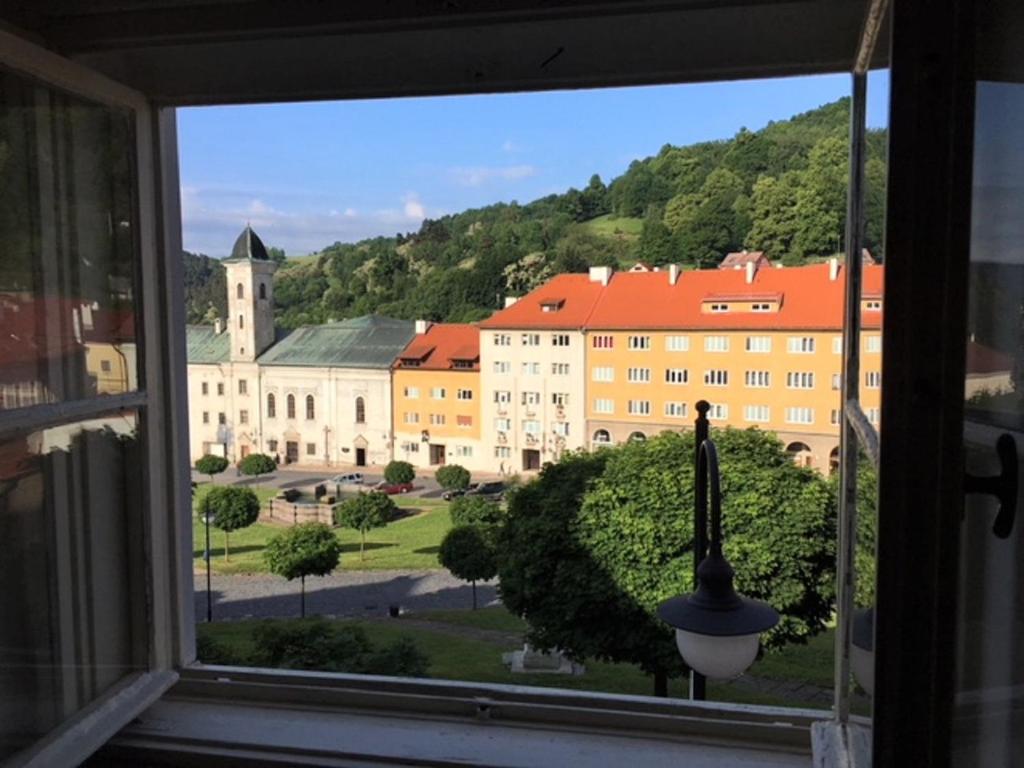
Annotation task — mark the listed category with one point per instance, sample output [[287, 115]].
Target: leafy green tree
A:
[[452, 477], [591, 547], [256, 464], [306, 549], [363, 512], [230, 508], [399, 472], [468, 552], [656, 244], [211, 465], [774, 215], [474, 510], [706, 224]]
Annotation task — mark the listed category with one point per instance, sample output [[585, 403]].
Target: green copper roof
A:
[[248, 246], [370, 341], [202, 345]]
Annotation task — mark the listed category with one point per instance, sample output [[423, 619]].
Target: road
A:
[[305, 479], [348, 593]]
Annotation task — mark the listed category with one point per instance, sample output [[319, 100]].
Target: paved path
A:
[[348, 593]]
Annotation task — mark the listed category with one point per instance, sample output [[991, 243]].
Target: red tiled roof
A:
[[739, 258], [578, 292], [440, 345], [649, 300]]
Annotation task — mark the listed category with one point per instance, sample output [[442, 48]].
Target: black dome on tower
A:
[[249, 247]]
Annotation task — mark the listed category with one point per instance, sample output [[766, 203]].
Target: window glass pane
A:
[[73, 604], [66, 247]]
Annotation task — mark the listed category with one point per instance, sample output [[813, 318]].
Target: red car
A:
[[392, 488]]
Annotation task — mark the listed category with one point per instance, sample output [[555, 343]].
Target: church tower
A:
[[250, 274]]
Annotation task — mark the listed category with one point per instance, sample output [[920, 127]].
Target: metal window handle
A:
[[1003, 486]]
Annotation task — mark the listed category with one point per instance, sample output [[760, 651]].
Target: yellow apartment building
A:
[[436, 395], [763, 345]]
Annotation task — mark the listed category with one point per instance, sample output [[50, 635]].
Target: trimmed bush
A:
[[452, 477], [399, 472]]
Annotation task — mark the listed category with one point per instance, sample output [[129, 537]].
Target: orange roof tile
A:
[[648, 300], [440, 345], [577, 292]]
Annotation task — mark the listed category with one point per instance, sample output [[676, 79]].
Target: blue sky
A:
[[307, 175]]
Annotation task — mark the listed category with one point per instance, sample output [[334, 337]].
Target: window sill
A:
[[298, 718]]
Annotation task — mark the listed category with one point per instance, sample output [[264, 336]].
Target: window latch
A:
[[1003, 486]]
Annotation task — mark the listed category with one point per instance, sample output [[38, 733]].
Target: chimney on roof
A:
[[751, 269], [833, 268], [422, 326], [673, 274], [600, 275], [218, 327], [510, 300]]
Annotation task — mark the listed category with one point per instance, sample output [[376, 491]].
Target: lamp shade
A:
[[862, 649], [717, 630]]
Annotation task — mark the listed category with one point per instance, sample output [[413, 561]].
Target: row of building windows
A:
[[437, 419], [794, 344], [438, 393], [504, 396], [531, 339], [532, 426]]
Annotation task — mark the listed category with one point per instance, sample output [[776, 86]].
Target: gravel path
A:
[[349, 593]]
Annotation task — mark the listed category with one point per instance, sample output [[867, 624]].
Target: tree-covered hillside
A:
[[781, 189]]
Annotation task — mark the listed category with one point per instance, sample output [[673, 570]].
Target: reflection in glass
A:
[[989, 679], [70, 555], [67, 311]]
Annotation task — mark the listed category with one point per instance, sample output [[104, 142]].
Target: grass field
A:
[[610, 226], [410, 542], [455, 657]]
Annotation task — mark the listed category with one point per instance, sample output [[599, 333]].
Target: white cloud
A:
[[413, 207], [211, 221], [476, 176]]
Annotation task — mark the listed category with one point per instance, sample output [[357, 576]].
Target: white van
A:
[[356, 478]]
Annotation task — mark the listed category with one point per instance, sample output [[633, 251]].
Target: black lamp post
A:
[[717, 630], [209, 594]]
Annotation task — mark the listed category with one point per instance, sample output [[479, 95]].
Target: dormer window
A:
[[873, 305], [760, 307], [411, 362], [719, 307], [551, 305], [463, 364]]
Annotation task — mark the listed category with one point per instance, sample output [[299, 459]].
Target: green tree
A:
[[474, 510], [256, 464], [774, 215], [363, 512], [306, 549], [707, 224], [468, 552], [399, 472], [591, 547], [230, 508], [656, 245], [211, 465], [452, 477]]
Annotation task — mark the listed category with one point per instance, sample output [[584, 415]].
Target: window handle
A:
[[1003, 486]]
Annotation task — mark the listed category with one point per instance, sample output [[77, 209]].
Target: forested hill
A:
[[781, 189]]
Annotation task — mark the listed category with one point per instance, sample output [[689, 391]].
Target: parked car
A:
[[355, 478], [454, 493], [392, 488], [493, 491]]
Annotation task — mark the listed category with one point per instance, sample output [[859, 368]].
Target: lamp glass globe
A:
[[717, 657]]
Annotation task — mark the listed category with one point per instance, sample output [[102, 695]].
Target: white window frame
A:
[[716, 377], [758, 344], [757, 414], [638, 375], [604, 405], [757, 379], [167, 639], [638, 407], [677, 343], [716, 343], [802, 415], [675, 409], [801, 345], [603, 373], [638, 343]]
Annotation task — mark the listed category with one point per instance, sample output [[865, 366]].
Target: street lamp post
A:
[[209, 593], [717, 630]]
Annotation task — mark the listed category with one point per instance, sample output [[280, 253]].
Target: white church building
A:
[[317, 396]]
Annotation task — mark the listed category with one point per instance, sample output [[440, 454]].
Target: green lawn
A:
[[611, 226], [408, 543], [455, 657]]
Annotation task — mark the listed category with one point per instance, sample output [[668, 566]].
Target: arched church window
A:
[[263, 290], [360, 411], [240, 291], [310, 407], [271, 406], [291, 406]]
